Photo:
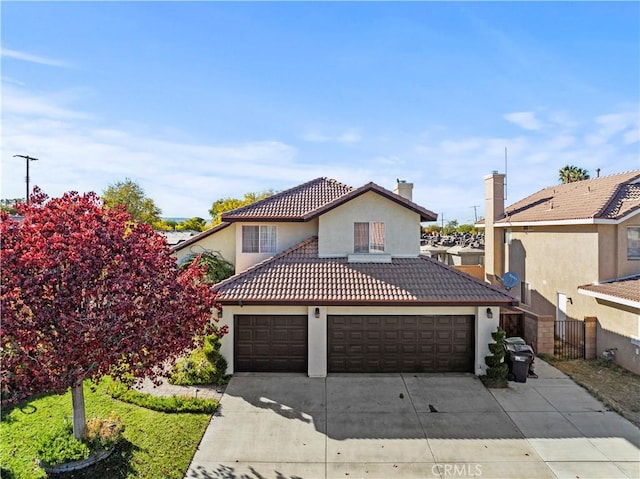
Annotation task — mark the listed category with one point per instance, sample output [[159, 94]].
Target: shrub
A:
[[104, 433], [203, 366], [497, 370], [60, 446]]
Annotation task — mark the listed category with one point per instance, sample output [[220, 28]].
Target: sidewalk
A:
[[166, 389]]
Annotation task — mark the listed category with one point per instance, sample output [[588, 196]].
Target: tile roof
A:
[[311, 199], [299, 276], [292, 204], [606, 198], [623, 290]]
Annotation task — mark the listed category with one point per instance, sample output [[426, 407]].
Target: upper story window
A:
[[368, 237], [507, 236], [633, 242], [259, 239]]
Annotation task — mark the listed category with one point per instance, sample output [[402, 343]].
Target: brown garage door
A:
[[400, 343], [270, 343]]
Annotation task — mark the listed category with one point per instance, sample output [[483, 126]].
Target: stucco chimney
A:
[[494, 210], [404, 189]]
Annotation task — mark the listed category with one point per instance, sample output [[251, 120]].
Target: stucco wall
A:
[[222, 241], [555, 260], [317, 328], [288, 235], [627, 352], [625, 267], [402, 226]]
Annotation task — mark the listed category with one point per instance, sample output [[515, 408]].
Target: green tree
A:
[[130, 194], [570, 174], [165, 225], [193, 224], [7, 204], [216, 267], [466, 229], [227, 204], [450, 227]]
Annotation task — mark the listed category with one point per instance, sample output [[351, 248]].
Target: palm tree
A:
[[569, 174]]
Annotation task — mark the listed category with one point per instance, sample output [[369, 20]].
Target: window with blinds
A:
[[368, 237], [259, 239]]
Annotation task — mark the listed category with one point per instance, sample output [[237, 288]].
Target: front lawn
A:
[[156, 445]]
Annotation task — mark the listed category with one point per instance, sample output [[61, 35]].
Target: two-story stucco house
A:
[[329, 279], [576, 250]]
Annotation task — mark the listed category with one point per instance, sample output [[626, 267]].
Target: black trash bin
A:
[[519, 358]]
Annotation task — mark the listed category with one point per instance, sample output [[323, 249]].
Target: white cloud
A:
[[317, 136], [524, 119], [83, 152], [18, 101], [612, 124], [28, 57]]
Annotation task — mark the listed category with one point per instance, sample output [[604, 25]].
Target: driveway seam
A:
[[326, 429], [424, 432]]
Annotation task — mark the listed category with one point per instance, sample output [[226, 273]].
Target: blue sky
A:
[[203, 100]]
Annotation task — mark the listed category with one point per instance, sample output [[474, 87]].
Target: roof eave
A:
[[425, 215], [505, 223], [609, 298], [326, 302], [265, 219]]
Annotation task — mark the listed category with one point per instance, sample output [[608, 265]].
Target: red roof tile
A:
[[299, 276], [311, 199], [608, 197], [292, 204], [626, 289]]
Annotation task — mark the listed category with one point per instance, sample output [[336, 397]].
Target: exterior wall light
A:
[[489, 313], [317, 313]]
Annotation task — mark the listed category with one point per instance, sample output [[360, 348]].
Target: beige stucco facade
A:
[[553, 260], [287, 235], [222, 242], [335, 229], [317, 328]]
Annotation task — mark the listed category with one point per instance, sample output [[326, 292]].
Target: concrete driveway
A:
[[413, 426]]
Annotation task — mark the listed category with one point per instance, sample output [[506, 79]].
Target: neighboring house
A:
[[329, 279], [576, 250], [176, 237]]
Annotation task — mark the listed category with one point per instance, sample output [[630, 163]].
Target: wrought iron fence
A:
[[569, 339]]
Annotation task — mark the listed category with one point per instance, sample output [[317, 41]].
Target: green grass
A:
[[155, 445], [169, 404]]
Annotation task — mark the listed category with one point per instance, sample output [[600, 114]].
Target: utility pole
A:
[[28, 159], [475, 211]]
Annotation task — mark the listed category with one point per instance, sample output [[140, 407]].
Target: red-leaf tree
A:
[[87, 292]]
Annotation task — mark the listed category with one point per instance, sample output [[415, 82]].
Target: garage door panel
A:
[[264, 343], [400, 343]]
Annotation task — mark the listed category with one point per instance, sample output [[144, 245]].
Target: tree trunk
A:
[[79, 419]]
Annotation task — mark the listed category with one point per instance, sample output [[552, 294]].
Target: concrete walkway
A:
[[166, 389], [413, 426]]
